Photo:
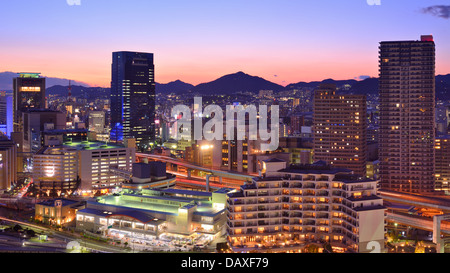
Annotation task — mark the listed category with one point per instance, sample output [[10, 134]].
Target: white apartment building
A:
[[289, 209], [95, 160]]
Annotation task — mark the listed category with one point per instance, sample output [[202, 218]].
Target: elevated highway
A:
[[431, 213], [227, 178]]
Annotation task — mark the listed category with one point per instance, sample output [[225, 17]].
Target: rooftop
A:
[[165, 204], [140, 216], [352, 178], [274, 160], [188, 192], [29, 75], [376, 207], [65, 202], [91, 145]]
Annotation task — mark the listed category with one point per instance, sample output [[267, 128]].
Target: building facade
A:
[[55, 169], [152, 213], [86, 166], [407, 115], [8, 163], [28, 93], [97, 121], [95, 159], [6, 113], [339, 129], [35, 122], [289, 209], [57, 211], [442, 163], [133, 98]]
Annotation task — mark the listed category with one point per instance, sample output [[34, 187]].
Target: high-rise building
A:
[[133, 98], [6, 113], [407, 115], [97, 121], [34, 123], [340, 129], [297, 121], [8, 163], [28, 92], [442, 163]]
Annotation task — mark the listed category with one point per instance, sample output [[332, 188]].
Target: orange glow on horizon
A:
[[94, 67]]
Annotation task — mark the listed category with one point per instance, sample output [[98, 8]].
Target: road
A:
[[10, 243], [67, 237]]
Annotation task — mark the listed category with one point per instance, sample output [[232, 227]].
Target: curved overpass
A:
[[416, 200], [190, 166]]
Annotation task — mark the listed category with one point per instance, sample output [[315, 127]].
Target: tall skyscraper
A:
[[339, 129], [6, 113], [407, 109], [28, 93], [133, 98]]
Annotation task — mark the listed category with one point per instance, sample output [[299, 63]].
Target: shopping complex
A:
[[150, 214]]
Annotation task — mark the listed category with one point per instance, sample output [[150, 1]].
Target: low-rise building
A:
[[57, 211], [148, 214]]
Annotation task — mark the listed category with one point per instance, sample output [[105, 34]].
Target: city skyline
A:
[[203, 41], [352, 157]]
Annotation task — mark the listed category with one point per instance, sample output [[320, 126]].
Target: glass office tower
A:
[[133, 98]]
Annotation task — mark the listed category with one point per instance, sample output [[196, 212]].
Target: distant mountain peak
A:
[[236, 82]]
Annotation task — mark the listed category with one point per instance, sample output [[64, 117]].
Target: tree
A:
[[17, 227], [420, 247], [327, 248], [30, 232], [312, 248]]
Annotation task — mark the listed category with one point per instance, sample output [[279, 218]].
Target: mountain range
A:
[[6, 81], [228, 84]]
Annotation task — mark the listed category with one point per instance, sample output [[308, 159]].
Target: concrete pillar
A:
[[437, 234], [207, 182]]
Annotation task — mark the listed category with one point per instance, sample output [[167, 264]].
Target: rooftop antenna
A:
[[70, 90]]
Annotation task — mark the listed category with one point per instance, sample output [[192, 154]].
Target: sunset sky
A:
[[284, 41]]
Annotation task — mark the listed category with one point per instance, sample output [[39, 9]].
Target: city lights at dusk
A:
[[210, 135]]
